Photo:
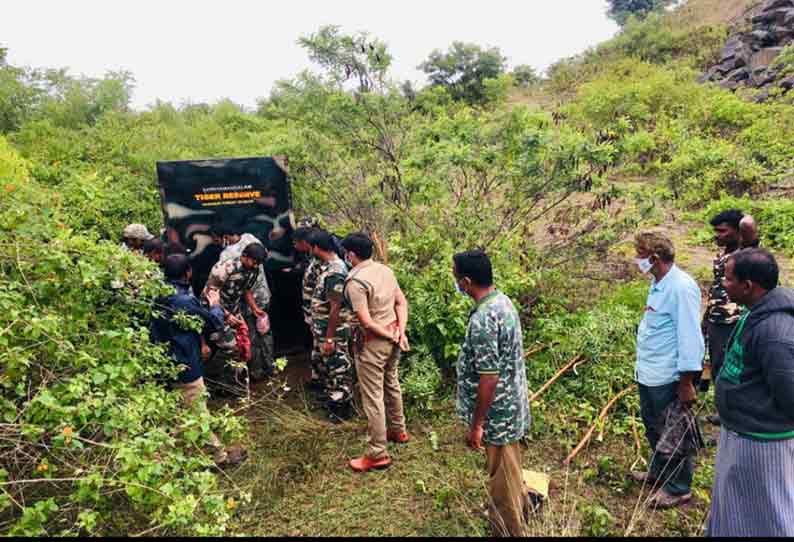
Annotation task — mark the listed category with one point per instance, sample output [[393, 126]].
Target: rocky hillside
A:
[[752, 56]]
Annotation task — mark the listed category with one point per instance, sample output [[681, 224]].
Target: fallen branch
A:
[[556, 376], [535, 350], [602, 416]]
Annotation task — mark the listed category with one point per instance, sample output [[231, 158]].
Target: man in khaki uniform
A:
[[382, 313]]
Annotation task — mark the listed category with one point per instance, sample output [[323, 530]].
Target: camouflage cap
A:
[[309, 222], [137, 231]]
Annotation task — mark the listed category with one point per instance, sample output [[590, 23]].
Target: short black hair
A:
[[153, 245], [255, 251], [756, 265], [302, 234], [731, 217], [475, 265], [174, 247], [358, 243], [322, 240], [218, 230], [176, 266]]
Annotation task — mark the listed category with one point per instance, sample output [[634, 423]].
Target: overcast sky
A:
[[202, 51]]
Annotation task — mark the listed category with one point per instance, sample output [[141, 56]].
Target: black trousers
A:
[[718, 341]]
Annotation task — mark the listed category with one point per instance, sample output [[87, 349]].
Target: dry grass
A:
[[696, 13], [301, 485]]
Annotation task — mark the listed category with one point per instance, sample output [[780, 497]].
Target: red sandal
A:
[[365, 463]]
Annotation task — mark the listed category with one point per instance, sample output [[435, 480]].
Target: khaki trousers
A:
[[381, 397], [193, 396], [506, 489]]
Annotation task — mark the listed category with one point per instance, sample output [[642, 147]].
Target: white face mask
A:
[[458, 289], [644, 264]]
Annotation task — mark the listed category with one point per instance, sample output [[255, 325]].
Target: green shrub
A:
[[775, 219], [80, 398]]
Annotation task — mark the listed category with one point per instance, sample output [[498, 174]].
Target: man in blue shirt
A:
[[670, 351], [186, 346]]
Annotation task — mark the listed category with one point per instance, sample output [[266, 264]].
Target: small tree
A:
[[464, 69], [344, 57], [525, 75], [621, 10]]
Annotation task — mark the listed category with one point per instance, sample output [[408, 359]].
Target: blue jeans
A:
[[676, 471]]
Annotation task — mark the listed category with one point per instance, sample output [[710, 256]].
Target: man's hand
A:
[[266, 201], [474, 438], [205, 350], [213, 297], [686, 393], [403, 342], [327, 348], [233, 320]]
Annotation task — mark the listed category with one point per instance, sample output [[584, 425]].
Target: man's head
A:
[[358, 247], [253, 256], [216, 233], [322, 245], [472, 271], [177, 267], [231, 235], [309, 222], [300, 239], [154, 250], [749, 275], [135, 235], [653, 249], [726, 228], [174, 247]]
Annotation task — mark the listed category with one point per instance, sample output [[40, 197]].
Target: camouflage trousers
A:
[[338, 369], [225, 374], [261, 365], [319, 373]]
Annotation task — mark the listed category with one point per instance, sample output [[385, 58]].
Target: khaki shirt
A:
[[372, 285]]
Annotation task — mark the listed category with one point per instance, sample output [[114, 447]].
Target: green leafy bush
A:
[[775, 218], [80, 395]]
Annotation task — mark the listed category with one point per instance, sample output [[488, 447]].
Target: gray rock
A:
[[764, 57], [761, 97], [787, 83], [732, 64], [763, 78], [742, 74], [734, 48], [774, 4], [772, 16], [780, 33], [730, 85], [762, 37], [710, 75]]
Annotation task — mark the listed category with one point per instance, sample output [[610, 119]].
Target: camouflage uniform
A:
[[262, 346], [315, 268], [338, 367], [720, 309], [493, 345], [721, 317], [232, 279]]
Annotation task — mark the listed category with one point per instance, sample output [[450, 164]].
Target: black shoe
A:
[[713, 419], [315, 385], [339, 413]]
